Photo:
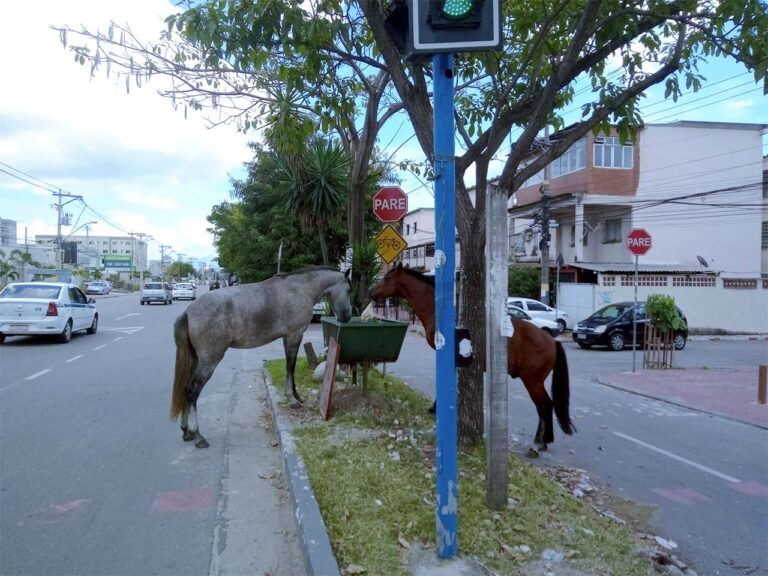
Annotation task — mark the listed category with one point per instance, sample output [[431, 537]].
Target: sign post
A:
[[638, 243]]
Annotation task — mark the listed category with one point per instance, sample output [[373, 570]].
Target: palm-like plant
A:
[[7, 270], [318, 188], [26, 260]]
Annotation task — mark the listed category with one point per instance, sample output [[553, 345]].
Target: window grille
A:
[[644, 280], [609, 280], [740, 283], [697, 281]]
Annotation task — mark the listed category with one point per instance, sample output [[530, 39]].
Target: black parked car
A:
[[612, 326]]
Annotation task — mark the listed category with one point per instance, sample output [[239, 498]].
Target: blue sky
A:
[[140, 166]]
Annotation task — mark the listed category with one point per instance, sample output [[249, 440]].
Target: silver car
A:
[[55, 309]]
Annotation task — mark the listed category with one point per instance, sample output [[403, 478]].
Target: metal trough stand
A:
[[365, 342]]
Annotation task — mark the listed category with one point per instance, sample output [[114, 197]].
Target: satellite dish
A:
[[702, 261]]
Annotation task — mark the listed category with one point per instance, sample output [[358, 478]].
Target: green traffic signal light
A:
[[458, 9]]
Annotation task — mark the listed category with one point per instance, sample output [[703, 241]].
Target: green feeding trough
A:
[[365, 342]]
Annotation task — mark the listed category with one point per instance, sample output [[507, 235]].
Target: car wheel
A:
[[585, 346], [562, 325], [66, 334], [679, 341], [142, 302], [616, 342], [94, 325], [2, 338]]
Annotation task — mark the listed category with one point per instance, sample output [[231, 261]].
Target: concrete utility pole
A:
[[59, 205], [140, 262], [544, 215], [163, 248]]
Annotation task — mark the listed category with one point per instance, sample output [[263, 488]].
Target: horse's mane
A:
[[306, 270], [419, 276]]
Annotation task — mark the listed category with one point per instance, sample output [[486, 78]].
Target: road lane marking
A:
[[128, 315], [75, 358], [38, 374], [100, 347], [679, 458], [117, 339], [125, 329]]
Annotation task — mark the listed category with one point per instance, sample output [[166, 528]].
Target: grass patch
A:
[[372, 471]]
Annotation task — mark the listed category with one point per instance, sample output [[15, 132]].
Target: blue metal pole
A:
[[445, 308]]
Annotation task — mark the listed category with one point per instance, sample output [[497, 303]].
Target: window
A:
[[610, 153], [765, 235], [574, 159], [407, 229], [537, 307], [415, 227], [612, 231]]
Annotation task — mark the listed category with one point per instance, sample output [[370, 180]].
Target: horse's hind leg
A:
[[189, 426], [291, 343], [544, 432]]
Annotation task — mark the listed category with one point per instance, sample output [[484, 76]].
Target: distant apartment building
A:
[[112, 253]]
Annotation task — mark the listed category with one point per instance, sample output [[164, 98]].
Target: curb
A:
[[313, 536]]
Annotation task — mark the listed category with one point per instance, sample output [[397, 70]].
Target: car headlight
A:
[[600, 329]]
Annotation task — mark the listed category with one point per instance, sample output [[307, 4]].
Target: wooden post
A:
[[762, 383], [311, 356]]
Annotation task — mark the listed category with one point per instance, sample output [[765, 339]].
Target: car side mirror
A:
[[91, 301]]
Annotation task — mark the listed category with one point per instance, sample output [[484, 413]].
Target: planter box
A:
[[365, 342]]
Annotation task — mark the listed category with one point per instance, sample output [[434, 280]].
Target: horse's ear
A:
[[399, 265], [348, 273]]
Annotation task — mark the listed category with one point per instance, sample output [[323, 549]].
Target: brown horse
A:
[[531, 353]]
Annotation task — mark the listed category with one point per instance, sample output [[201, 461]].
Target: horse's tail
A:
[[561, 391], [185, 359]]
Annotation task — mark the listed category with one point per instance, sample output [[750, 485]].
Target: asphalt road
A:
[[96, 480]]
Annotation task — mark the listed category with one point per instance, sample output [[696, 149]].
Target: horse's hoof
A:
[[532, 453], [202, 443], [187, 435], [295, 404]]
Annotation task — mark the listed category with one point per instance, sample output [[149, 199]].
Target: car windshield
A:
[[153, 286], [31, 291], [611, 312]]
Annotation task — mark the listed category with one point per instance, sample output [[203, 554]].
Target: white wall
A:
[[701, 157], [707, 308]]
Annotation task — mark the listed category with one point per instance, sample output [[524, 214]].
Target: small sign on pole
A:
[[638, 243]]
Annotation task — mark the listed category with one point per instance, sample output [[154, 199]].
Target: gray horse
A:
[[248, 316]]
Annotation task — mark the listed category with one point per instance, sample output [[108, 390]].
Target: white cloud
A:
[[131, 156]]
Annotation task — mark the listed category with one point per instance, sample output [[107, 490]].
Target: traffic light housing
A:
[[432, 26]]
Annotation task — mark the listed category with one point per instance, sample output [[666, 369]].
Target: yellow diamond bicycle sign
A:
[[390, 244]]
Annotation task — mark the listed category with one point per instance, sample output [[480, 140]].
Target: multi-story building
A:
[[698, 188], [113, 253]]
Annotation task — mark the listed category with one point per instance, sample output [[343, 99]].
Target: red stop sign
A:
[[638, 241], [390, 204]]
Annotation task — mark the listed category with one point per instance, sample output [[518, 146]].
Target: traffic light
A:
[[432, 26]]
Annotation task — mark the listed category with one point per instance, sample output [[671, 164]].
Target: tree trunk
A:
[[323, 247], [472, 316]]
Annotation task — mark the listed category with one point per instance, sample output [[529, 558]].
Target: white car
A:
[[549, 326], [540, 310], [56, 309], [183, 291]]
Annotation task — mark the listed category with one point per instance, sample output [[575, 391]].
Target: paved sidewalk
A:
[[731, 393]]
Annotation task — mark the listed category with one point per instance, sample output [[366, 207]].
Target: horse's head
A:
[[388, 285], [339, 296]]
